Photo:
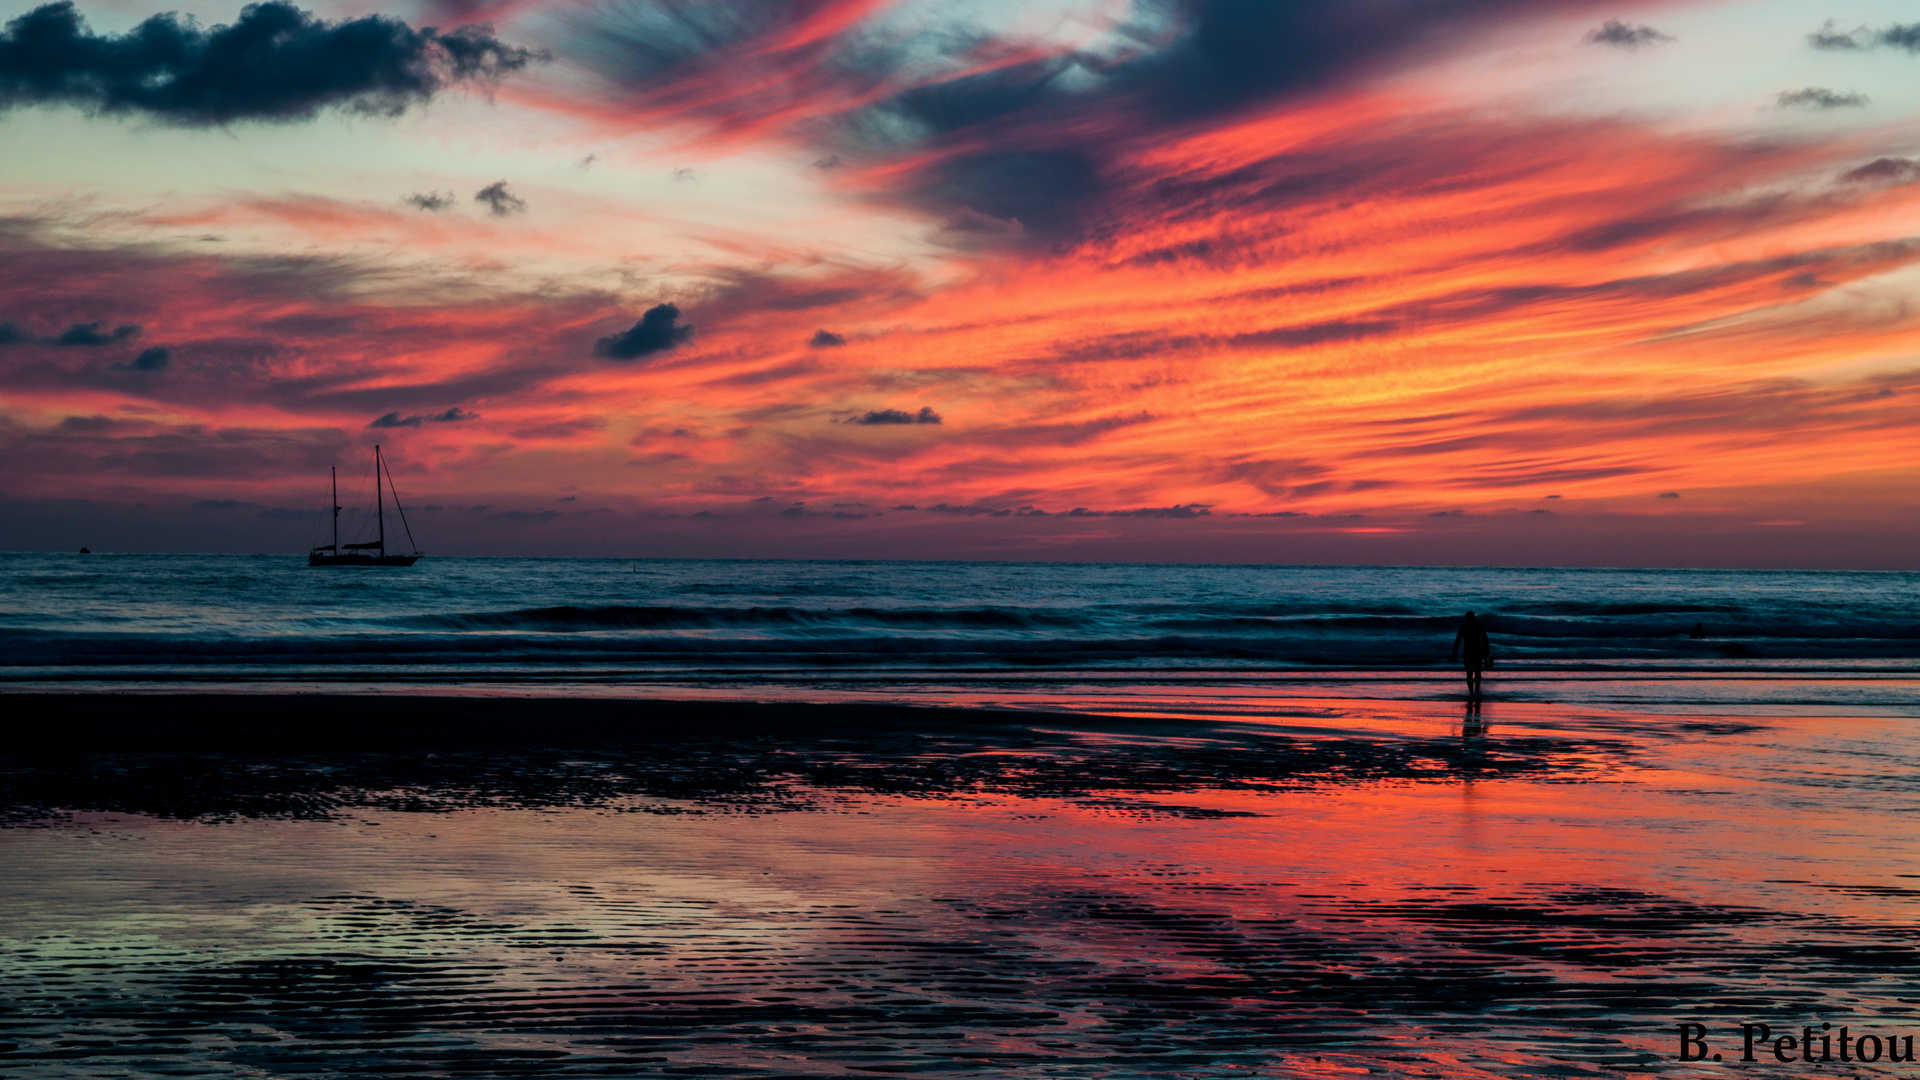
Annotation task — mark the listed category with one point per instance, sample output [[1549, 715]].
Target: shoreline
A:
[[1071, 697]]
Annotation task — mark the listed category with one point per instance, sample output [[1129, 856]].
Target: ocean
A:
[[1183, 639]]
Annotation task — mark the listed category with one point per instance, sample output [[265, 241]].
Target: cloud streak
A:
[[893, 417], [395, 420], [1173, 267], [1820, 98]]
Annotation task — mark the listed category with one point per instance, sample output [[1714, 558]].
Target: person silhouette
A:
[[1477, 652]]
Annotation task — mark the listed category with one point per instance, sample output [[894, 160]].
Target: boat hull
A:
[[361, 560]]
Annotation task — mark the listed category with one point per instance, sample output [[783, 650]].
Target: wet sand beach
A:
[[273, 885]]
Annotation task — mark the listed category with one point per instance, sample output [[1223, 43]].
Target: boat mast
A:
[[379, 503], [336, 509]]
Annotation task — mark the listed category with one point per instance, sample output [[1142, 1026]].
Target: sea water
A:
[[1171, 638]]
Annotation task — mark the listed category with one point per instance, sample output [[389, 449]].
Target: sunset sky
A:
[[1399, 281]]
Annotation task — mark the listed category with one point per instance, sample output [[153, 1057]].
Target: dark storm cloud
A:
[[1819, 97], [1039, 188], [154, 359], [11, 334], [1240, 52], [977, 98], [1883, 171], [276, 62], [432, 202], [926, 415], [652, 38], [1020, 149], [87, 334], [826, 339], [1043, 190], [969, 229], [1056, 139], [395, 420], [1621, 35], [93, 425], [655, 332], [499, 201]]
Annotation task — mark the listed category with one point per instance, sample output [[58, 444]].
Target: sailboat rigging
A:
[[374, 553]]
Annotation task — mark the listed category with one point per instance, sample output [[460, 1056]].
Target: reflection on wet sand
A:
[[1505, 892]]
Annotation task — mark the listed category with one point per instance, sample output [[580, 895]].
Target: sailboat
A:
[[370, 554]]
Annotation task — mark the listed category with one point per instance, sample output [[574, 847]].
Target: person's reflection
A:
[[1473, 725]]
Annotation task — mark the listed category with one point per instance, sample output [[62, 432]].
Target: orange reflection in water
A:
[[1452, 927]]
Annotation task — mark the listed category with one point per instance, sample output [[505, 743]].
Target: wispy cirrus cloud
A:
[[1166, 265]]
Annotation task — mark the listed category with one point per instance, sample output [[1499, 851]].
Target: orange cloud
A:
[[1313, 305]]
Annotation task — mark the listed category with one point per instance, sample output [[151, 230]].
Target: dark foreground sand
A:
[[222, 756], [384, 885]]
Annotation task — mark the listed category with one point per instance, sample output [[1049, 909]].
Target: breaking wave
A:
[[262, 612]]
